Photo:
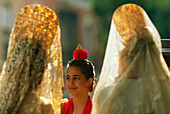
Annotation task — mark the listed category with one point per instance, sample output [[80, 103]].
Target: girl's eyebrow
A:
[[77, 75], [73, 75]]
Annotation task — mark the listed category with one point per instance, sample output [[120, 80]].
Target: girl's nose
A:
[[71, 81]]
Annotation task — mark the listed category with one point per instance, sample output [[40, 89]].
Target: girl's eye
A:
[[76, 78], [67, 78]]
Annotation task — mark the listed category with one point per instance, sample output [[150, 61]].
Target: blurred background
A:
[[86, 22]]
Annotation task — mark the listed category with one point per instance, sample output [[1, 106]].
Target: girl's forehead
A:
[[74, 69]]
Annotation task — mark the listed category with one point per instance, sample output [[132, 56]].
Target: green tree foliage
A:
[[159, 12]]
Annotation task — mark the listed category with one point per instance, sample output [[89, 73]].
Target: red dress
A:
[[67, 107]]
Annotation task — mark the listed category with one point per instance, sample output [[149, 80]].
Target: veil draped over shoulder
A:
[[134, 78], [34, 62]]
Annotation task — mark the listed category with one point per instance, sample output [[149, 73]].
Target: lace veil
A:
[[34, 59], [133, 54]]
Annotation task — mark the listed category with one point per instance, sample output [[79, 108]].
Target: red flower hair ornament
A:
[[80, 53]]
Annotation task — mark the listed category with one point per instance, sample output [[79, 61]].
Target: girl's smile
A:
[[76, 82]]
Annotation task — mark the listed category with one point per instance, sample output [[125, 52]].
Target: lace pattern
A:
[[34, 63], [134, 78]]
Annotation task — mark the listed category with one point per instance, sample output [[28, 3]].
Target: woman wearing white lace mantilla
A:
[[31, 78], [134, 78]]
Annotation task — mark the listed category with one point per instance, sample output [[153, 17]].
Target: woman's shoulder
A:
[[32, 105], [47, 109]]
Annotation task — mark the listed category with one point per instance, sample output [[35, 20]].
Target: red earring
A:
[[89, 88]]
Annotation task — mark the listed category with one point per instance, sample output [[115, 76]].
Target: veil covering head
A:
[[34, 60], [134, 78]]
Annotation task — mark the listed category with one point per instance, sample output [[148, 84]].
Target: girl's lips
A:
[[72, 88]]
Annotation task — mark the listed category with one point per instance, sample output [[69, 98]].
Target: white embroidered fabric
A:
[[31, 80], [135, 78]]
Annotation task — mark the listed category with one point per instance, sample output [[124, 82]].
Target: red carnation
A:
[[80, 54]]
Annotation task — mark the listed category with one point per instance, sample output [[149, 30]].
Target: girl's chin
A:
[[74, 94]]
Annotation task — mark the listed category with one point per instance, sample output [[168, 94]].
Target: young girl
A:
[[79, 81]]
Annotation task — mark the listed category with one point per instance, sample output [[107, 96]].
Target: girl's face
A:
[[76, 82]]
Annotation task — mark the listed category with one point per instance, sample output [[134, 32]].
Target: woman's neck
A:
[[79, 103]]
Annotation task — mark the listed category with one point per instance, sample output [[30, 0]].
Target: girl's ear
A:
[[90, 80]]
